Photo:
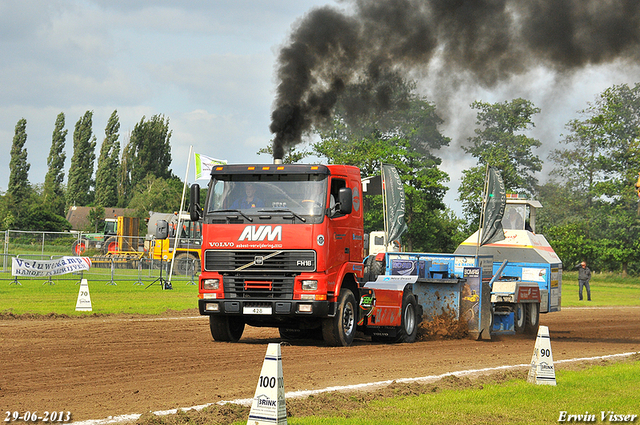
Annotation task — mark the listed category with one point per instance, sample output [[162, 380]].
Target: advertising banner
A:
[[204, 164], [39, 268]]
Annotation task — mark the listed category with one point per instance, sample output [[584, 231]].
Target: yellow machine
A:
[[189, 242]]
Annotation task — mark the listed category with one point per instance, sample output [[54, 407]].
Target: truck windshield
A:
[[304, 195]]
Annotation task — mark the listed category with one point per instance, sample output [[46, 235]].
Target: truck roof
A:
[[254, 169]]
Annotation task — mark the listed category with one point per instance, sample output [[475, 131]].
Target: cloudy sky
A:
[[208, 66]]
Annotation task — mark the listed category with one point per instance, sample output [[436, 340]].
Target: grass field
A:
[[129, 292], [513, 401]]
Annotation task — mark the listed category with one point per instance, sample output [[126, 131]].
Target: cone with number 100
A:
[[269, 405]]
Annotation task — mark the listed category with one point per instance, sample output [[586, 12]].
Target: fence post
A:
[[139, 281], [6, 249], [112, 282], [192, 269]]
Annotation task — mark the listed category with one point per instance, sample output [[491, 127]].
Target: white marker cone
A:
[[542, 370], [84, 300], [269, 405]]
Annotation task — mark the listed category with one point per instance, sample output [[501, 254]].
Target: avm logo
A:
[[261, 233]]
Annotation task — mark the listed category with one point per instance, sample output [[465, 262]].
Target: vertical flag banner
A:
[[204, 164], [395, 202], [496, 199]]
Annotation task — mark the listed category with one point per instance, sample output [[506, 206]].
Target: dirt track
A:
[[99, 367]]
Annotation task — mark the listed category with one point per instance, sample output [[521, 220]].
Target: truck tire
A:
[[378, 268], [367, 274], [533, 319], [519, 317], [340, 330], [408, 329], [226, 329], [409, 324], [79, 247]]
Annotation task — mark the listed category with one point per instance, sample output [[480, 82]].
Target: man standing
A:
[[584, 275]]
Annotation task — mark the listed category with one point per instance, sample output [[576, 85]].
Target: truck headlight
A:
[[309, 285], [211, 284], [212, 307]]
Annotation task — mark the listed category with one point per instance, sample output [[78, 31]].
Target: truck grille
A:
[[249, 261], [275, 287]]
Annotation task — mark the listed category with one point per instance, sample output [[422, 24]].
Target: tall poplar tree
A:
[[106, 194], [53, 191], [148, 152], [81, 171], [19, 189]]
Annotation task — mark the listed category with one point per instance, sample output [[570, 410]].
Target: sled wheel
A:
[[519, 318], [226, 328], [340, 330], [533, 319]]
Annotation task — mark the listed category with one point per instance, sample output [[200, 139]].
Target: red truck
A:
[[283, 247]]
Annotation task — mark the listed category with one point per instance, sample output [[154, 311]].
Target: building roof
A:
[[79, 216]]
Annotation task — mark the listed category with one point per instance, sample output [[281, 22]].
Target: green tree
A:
[[106, 194], [53, 191], [148, 152], [600, 166], [82, 161], [500, 142], [405, 134], [156, 194], [19, 189]]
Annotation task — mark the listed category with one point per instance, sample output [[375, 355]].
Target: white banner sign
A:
[[21, 267]]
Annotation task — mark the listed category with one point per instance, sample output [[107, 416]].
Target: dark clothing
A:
[[584, 276], [584, 273], [243, 203]]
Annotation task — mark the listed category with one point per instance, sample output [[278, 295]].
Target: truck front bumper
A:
[[265, 308]]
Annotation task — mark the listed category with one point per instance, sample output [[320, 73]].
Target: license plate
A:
[[256, 310]]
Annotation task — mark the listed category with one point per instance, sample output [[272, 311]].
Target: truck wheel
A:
[[533, 319], [409, 327], [340, 330], [79, 247], [519, 318], [226, 328]]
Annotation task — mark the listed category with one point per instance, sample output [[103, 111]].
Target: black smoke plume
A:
[[484, 41]]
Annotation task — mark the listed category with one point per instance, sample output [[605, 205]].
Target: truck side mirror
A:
[[195, 210], [162, 229], [345, 200]]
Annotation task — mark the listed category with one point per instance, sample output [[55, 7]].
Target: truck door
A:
[[339, 243]]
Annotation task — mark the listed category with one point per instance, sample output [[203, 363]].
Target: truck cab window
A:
[[336, 185]]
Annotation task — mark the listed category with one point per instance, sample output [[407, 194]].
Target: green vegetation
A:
[[607, 289], [514, 401], [129, 293]]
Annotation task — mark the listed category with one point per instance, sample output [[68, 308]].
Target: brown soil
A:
[[102, 366]]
